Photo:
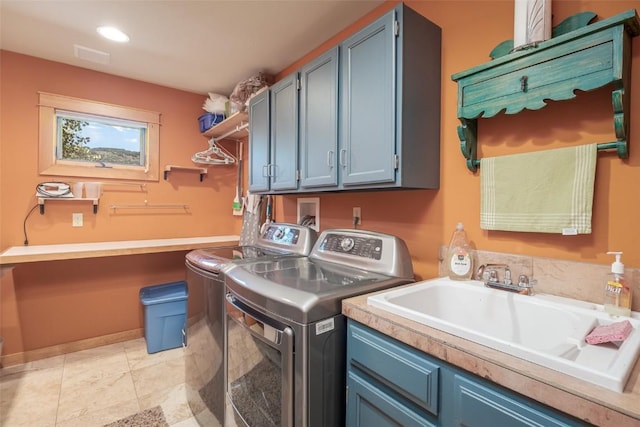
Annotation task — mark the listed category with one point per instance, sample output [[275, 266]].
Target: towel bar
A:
[[620, 145]]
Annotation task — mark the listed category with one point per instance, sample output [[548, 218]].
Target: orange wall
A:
[[209, 201], [66, 301], [425, 219], [49, 303]]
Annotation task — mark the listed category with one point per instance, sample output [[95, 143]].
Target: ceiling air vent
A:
[[91, 55]]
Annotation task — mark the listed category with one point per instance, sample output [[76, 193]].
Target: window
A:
[[92, 139], [86, 138]]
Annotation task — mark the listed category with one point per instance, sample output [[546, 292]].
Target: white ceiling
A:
[[198, 46]]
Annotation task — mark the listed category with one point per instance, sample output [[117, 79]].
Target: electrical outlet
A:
[[357, 216], [76, 220]]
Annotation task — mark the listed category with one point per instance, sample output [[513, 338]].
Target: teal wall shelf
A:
[[583, 59]]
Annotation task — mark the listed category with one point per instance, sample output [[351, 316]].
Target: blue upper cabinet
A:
[[273, 138], [368, 152], [283, 168], [390, 103], [363, 115], [319, 122], [259, 129]]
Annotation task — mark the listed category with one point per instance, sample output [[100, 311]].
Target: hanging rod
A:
[[142, 185], [619, 146], [149, 206], [238, 128]]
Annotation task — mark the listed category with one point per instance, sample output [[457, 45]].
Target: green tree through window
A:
[[86, 138], [74, 145]]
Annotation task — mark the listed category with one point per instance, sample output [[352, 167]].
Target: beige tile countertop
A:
[[581, 399], [21, 254]]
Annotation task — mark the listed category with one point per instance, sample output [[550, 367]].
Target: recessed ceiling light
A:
[[113, 33]]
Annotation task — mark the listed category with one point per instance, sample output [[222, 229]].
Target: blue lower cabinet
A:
[[392, 384], [477, 404], [371, 405]]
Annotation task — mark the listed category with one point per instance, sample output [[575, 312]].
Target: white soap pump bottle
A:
[[617, 293]]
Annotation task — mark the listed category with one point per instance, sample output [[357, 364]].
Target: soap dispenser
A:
[[617, 294], [460, 255]]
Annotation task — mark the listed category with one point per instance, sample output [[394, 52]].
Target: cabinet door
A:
[[368, 104], [369, 405], [284, 134], [259, 142], [479, 405], [319, 121]]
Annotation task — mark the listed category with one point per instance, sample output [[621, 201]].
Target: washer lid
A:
[[214, 259], [301, 289], [277, 239]]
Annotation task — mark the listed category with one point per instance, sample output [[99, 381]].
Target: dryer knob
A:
[[347, 244]]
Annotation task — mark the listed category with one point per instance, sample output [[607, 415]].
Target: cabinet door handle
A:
[[330, 158], [343, 157], [265, 171]]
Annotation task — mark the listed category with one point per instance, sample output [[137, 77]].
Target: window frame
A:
[[48, 163]]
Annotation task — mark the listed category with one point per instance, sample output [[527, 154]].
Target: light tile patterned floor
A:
[[95, 387]]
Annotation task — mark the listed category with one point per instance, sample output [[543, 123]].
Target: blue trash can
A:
[[165, 316]]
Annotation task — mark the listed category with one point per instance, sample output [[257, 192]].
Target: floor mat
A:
[[150, 417]]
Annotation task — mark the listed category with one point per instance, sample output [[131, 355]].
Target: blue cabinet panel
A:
[[284, 134], [368, 63], [403, 369], [319, 121], [259, 130], [370, 406], [477, 405]]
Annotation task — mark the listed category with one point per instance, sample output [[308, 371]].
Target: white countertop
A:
[[35, 253]]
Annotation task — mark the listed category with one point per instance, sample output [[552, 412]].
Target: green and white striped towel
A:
[[545, 192]]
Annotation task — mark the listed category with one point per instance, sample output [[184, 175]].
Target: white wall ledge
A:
[[36, 253]]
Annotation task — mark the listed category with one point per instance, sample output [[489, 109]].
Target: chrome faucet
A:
[[488, 273]]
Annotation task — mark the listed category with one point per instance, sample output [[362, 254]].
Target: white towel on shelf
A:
[[546, 191]]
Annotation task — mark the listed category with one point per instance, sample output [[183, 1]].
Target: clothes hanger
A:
[[214, 155]]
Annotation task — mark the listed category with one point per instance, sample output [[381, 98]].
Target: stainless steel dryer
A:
[[286, 338], [204, 362]]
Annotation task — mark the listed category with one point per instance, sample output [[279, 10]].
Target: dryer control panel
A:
[[291, 238], [368, 250], [353, 245]]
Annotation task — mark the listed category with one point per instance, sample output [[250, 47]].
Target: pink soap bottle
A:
[[617, 292]]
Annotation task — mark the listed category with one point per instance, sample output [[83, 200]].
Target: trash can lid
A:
[[167, 292]]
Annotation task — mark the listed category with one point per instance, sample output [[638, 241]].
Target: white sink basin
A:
[[542, 329]]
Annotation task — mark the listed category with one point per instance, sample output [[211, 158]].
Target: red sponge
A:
[[618, 331]]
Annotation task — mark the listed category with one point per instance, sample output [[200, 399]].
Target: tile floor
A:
[[95, 387]]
